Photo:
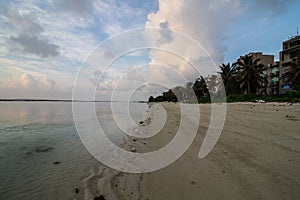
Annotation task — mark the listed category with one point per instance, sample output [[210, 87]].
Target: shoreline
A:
[[257, 156]]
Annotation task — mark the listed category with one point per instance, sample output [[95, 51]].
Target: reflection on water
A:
[[41, 155]]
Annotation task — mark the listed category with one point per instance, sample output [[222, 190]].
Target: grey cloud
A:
[[165, 33], [28, 37], [79, 7], [35, 45], [21, 23], [109, 54], [25, 23]]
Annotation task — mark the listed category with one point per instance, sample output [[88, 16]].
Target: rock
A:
[[193, 182], [133, 149], [56, 162], [101, 197]]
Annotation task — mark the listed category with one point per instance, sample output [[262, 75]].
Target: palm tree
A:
[[226, 74], [250, 73], [200, 87], [294, 73]]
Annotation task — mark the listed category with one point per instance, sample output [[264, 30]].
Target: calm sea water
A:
[[41, 155]]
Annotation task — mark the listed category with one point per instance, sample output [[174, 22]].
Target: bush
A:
[[292, 97]]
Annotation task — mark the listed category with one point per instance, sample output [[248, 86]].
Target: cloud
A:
[[28, 81], [29, 37], [35, 45], [76, 7], [207, 22], [23, 23], [165, 33], [47, 83], [27, 85]]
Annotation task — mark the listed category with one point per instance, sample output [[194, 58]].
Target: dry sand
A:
[[256, 157]]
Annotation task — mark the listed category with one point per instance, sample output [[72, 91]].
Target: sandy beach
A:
[[256, 157]]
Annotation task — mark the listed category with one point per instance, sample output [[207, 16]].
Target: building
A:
[[270, 73], [273, 78], [290, 50]]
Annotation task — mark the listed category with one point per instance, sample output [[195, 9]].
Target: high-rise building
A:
[[290, 50]]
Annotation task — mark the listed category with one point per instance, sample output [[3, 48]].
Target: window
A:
[[274, 70], [295, 43], [286, 86], [294, 54]]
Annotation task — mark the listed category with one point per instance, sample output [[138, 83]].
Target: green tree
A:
[[226, 72], [200, 87], [169, 96], [151, 99], [249, 71]]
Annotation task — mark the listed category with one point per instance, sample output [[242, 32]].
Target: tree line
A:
[[242, 77]]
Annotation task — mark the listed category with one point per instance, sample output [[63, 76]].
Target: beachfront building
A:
[[270, 73], [290, 50]]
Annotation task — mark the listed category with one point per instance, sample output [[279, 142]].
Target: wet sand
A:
[[256, 157]]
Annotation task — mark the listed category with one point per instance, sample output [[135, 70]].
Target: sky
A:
[[114, 49]]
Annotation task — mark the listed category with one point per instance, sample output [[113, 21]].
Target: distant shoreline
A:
[[61, 100]]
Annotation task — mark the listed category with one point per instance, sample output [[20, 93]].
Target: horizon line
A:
[[62, 100]]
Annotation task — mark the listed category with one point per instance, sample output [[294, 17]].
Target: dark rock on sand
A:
[[101, 197], [76, 190], [193, 182], [133, 149], [56, 162]]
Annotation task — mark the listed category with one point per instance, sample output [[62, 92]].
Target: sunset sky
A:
[[45, 42]]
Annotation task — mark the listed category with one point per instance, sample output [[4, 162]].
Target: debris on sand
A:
[[42, 149], [292, 118], [27, 154], [260, 101], [56, 162], [39, 149]]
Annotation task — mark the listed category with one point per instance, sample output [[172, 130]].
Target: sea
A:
[[41, 154]]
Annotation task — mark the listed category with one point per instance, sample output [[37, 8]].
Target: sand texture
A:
[[256, 157]]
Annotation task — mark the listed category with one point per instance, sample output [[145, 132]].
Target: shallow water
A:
[[35, 135]]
